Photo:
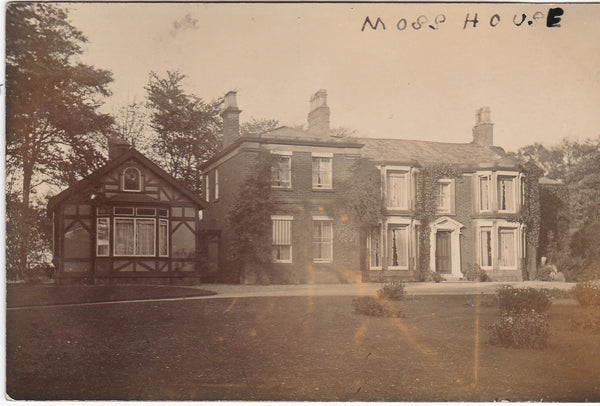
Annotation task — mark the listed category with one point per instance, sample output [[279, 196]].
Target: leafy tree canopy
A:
[[257, 126], [187, 129], [53, 126]]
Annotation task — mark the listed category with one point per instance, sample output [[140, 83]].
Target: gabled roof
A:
[[132, 153], [427, 152]]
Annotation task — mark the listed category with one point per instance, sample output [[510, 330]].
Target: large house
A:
[[128, 222], [477, 212]]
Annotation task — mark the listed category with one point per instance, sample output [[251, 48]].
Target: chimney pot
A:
[[318, 116], [483, 131]]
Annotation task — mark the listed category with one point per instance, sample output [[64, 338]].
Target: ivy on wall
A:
[[428, 190], [250, 220]]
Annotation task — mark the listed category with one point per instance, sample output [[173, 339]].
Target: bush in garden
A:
[[587, 293], [391, 291], [520, 330], [475, 273], [369, 306], [520, 300]]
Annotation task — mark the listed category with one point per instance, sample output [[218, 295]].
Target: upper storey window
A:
[[446, 196], [132, 180], [397, 190], [506, 193], [322, 176], [281, 171], [484, 192]]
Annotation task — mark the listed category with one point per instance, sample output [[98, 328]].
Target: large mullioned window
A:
[[322, 239], [282, 239], [137, 231]]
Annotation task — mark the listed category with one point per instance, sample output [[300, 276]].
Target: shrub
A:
[[587, 293], [520, 330], [475, 273], [587, 320], [392, 291], [544, 273], [521, 300], [370, 306]]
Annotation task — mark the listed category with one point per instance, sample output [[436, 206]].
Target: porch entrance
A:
[[443, 254]]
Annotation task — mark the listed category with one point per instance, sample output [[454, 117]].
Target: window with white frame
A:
[[207, 187], [484, 192], [322, 239], [446, 196], [522, 190], [374, 247], [485, 247], [216, 184], [506, 193], [132, 180], [282, 239], [102, 236], [134, 236], [322, 172], [398, 246], [163, 238], [281, 171], [507, 247], [397, 190]]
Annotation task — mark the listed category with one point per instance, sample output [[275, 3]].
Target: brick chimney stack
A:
[[318, 116], [117, 147], [231, 119], [483, 132]]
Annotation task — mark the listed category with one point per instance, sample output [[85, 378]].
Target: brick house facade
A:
[[476, 210]]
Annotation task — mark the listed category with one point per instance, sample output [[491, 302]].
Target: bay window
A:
[[397, 190], [484, 192], [374, 247], [506, 193], [136, 231], [485, 247], [398, 246], [507, 254]]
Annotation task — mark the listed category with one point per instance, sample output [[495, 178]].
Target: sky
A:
[[541, 83]]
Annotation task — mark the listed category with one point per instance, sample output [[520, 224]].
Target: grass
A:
[[290, 348], [35, 295]]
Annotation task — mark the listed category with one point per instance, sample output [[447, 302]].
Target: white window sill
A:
[[377, 268], [398, 268], [322, 261], [282, 261]]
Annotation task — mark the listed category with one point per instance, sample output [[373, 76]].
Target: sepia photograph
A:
[[302, 201]]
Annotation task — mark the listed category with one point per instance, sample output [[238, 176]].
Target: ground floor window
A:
[[322, 239], [398, 246], [485, 244], [136, 231], [282, 239], [134, 236], [507, 243], [374, 246]]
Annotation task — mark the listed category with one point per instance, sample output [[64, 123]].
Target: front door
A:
[[442, 252]]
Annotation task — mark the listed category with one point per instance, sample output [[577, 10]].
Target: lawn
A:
[[290, 348], [34, 295]]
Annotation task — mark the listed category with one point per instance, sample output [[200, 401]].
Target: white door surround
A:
[[446, 224]]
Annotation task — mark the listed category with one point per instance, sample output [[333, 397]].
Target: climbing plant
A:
[[250, 220], [428, 191], [530, 214]]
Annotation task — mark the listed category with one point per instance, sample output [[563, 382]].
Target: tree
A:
[[130, 124], [53, 126], [187, 130], [257, 126]]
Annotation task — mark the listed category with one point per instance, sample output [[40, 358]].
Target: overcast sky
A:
[[541, 83]]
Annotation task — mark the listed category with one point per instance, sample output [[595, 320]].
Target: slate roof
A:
[[428, 152], [292, 133]]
